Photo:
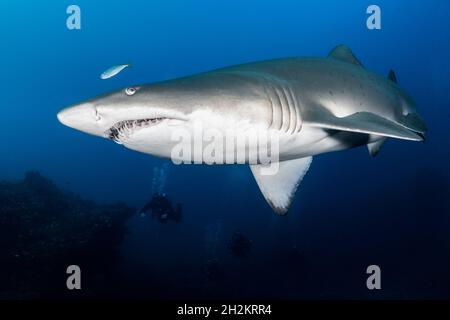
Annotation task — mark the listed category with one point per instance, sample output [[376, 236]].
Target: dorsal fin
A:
[[344, 53], [392, 76]]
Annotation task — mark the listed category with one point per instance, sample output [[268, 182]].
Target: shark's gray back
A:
[[289, 93], [340, 87]]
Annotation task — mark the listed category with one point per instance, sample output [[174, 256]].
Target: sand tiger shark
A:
[[315, 106]]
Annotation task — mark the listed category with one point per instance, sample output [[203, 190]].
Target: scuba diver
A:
[[162, 209], [240, 245]]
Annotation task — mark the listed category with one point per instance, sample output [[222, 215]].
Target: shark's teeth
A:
[[121, 131]]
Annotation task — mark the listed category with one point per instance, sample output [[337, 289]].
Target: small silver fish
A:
[[114, 70]]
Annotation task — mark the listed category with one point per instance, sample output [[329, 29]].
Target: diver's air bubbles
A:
[[160, 178], [213, 236]]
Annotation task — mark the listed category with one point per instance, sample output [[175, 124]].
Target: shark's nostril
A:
[[81, 117], [97, 115]]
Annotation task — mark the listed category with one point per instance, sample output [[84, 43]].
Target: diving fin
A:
[[279, 189]]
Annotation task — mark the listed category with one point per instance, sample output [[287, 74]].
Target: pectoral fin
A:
[[362, 122], [279, 188]]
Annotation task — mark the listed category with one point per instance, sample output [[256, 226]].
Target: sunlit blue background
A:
[[350, 211]]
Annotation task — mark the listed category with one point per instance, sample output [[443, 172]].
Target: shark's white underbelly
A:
[[270, 146]]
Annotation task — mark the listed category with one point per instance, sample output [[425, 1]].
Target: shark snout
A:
[[81, 117]]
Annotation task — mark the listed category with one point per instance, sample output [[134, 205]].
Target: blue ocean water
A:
[[351, 210]]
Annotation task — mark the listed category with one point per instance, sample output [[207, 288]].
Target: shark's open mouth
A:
[[122, 130]]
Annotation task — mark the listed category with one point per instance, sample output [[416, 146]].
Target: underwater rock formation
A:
[[43, 230]]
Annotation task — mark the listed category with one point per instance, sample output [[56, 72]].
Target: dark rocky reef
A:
[[43, 230]]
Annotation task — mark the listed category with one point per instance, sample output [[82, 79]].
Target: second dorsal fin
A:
[[345, 54], [392, 76]]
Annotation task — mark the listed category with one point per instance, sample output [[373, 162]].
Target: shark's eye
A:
[[131, 90]]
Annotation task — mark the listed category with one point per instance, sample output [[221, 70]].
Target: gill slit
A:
[[271, 105], [292, 115], [299, 124], [287, 110], [280, 107]]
